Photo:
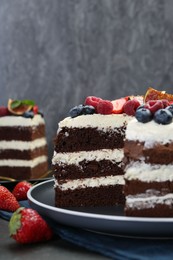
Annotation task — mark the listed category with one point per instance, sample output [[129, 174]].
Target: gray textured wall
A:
[[59, 51]]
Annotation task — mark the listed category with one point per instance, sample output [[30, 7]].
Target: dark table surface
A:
[[61, 249]]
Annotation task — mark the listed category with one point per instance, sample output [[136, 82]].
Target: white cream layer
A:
[[140, 202], [22, 145], [115, 155], [149, 173], [21, 121], [102, 122], [150, 133], [91, 182], [23, 163]]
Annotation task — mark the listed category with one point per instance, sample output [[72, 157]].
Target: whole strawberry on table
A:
[[25, 225]]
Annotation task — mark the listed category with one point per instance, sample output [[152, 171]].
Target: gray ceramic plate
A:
[[107, 220]]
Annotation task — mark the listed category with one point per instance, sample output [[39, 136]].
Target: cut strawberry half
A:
[[118, 105]]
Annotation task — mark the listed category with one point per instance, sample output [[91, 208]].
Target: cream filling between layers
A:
[[22, 145], [23, 163], [149, 172], [101, 122], [90, 182], [115, 155], [137, 202]]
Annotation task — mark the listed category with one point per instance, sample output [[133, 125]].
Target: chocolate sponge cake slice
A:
[[23, 145], [87, 161]]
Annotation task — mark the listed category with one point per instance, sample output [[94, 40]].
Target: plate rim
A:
[[91, 215]]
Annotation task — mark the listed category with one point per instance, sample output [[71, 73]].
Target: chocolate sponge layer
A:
[[97, 196], [88, 139], [159, 154]]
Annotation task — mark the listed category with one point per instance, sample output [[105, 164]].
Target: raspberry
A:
[[92, 101], [130, 107], [104, 107], [165, 103], [154, 105], [4, 111]]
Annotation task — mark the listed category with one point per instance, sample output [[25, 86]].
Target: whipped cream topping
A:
[[150, 133], [115, 155], [149, 172], [23, 163], [21, 121], [90, 182], [102, 122], [22, 145]]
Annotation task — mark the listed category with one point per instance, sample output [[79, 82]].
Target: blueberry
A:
[[28, 114], [40, 113], [143, 115], [170, 108], [76, 111], [88, 110], [163, 116], [141, 106]]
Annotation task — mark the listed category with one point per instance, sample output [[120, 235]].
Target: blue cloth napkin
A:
[[119, 248]]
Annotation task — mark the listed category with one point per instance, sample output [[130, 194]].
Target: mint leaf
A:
[[28, 102], [15, 104]]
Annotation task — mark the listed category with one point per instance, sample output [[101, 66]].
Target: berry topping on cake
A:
[[118, 105], [19, 107], [92, 101], [154, 105], [153, 94], [163, 116], [28, 114], [88, 110], [170, 108], [35, 109], [81, 110], [165, 102], [131, 106], [76, 111], [105, 107], [4, 111], [143, 115]]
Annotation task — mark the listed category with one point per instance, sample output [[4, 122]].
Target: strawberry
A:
[[7, 200], [104, 107], [130, 107], [27, 226], [20, 190], [118, 105], [92, 101]]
